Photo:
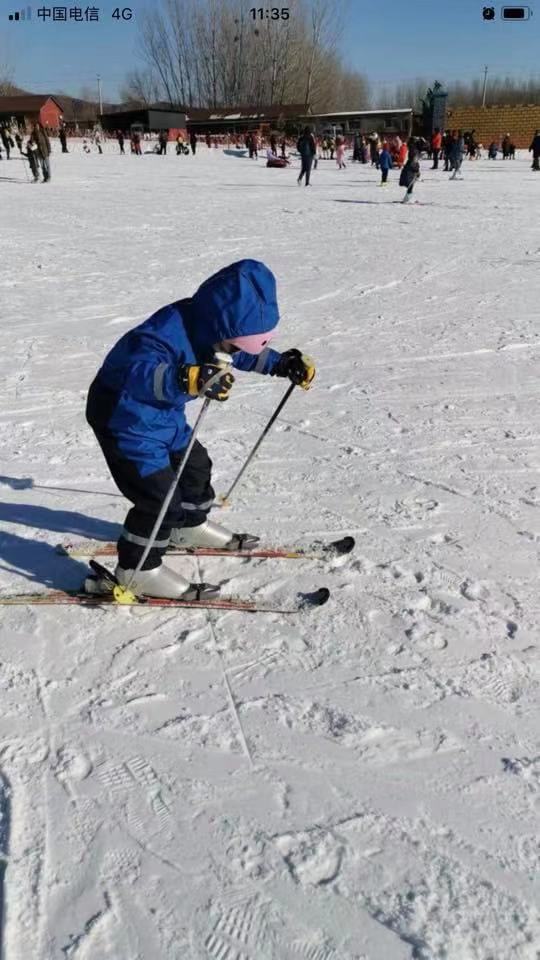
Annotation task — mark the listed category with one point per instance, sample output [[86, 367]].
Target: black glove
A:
[[205, 380], [297, 367]]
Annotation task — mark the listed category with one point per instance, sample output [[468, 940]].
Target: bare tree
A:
[[324, 24], [214, 53], [6, 80], [88, 93], [141, 86]]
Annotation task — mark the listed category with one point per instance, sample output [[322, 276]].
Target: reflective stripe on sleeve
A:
[[159, 374], [261, 360]]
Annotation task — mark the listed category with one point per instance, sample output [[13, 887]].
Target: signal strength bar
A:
[[25, 14]]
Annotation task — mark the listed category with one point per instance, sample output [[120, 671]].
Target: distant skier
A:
[[374, 150], [43, 149], [385, 164], [447, 148], [456, 153], [6, 140], [411, 171], [340, 153], [193, 142], [136, 410], [163, 139], [62, 136], [120, 138], [535, 148], [436, 143], [31, 153], [307, 148]]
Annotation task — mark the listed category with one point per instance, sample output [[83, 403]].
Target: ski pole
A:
[[122, 594], [224, 498]]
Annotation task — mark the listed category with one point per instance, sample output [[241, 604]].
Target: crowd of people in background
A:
[[450, 147]]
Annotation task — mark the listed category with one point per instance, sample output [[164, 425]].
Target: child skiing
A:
[[385, 163], [136, 410]]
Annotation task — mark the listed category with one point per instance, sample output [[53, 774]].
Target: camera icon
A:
[[488, 13]]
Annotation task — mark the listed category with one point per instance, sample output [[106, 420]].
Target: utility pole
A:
[[485, 86], [99, 94]]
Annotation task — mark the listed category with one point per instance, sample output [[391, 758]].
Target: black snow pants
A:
[[307, 163], [189, 506]]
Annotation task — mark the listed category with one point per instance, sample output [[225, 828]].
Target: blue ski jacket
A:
[[385, 160], [135, 398]]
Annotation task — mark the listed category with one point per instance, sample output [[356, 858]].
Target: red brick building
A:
[[28, 108]]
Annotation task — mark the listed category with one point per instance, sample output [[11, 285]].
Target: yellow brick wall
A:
[[492, 123]]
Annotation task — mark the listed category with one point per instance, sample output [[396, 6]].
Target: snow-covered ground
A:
[[387, 805]]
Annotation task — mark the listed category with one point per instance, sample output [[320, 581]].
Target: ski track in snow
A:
[[362, 783]]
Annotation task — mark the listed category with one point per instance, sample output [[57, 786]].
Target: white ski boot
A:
[[159, 582], [209, 534]]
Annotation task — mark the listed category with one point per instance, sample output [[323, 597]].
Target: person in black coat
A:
[[193, 142], [163, 140], [6, 140], [535, 148], [307, 148], [447, 148], [411, 171], [63, 139]]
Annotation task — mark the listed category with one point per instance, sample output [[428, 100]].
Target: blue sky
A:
[[389, 40]]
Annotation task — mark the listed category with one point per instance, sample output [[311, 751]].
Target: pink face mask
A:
[[255, 343]]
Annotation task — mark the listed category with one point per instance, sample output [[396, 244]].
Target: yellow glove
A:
[[206, 380]]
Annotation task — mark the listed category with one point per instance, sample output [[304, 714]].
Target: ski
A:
[[315, 551], [303, 601]]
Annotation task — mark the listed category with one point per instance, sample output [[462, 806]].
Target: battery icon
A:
[[515, 13]]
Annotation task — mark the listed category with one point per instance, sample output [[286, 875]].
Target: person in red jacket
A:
[[436, 143]]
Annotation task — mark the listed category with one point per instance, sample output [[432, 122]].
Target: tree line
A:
[[213, 53]]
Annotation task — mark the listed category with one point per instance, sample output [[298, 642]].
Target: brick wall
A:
[[491, 123]]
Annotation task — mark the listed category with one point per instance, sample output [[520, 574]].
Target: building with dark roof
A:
[[385, 122], [150, 119], [241, 119]]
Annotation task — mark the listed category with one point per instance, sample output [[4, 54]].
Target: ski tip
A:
[[343, 546], [315, 599]]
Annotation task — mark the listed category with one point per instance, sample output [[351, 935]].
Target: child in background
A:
[[385, 163], [31, 154], [340, 153]]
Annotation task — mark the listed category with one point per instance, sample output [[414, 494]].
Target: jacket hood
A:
[[238, 301]]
